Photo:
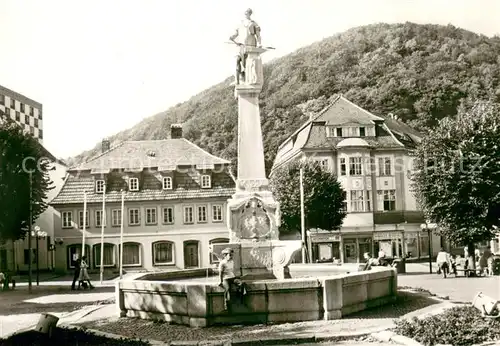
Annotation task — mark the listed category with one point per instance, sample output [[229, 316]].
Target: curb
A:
[[386, 336]]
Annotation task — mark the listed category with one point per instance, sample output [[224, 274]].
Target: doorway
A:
[[3, 260], [191, 255], [350, 251]]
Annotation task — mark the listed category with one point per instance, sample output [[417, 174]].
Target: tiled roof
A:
[[72, 192], [319, 140], [342, 111], [168, 153], [391, 133]]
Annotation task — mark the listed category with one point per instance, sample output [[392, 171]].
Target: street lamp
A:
[[37, 233], [428, 227]]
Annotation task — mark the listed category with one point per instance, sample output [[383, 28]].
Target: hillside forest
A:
[[419, 73]]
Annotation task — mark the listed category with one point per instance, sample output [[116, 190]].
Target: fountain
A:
[[276, 290]]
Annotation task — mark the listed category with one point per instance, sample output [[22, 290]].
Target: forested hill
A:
[[418, 72]]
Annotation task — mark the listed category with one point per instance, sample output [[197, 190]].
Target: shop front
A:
[[391, 242], [354, 247], [325, 246]]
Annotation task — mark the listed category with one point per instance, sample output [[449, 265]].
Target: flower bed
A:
[[67, 336], [461, 325]]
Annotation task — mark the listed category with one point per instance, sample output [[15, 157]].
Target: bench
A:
[[467, 272]]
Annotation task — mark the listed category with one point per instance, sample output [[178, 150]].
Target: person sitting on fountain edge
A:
[[370, 261], [227, 277]]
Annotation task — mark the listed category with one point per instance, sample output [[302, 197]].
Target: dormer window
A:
[[167, 183], [133, 184], [338, 132], [362, 132], [205, 181], [99, 186]]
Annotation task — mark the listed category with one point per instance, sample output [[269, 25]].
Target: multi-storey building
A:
[[370, 155], [23, 110], [175, 197]]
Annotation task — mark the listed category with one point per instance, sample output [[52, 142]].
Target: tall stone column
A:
[[253, 213]]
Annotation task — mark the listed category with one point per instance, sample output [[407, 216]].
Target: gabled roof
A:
[[169, 153], [391, 133]]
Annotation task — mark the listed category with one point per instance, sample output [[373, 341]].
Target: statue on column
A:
[[249, 33]]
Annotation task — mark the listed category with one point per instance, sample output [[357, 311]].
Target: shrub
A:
[[462, 325]]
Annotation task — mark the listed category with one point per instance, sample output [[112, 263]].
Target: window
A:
[[202, 213], [338, 131], [2, 100], [214, 259], [22, 107], [67, 219], [368, 206], [387, 199], [205, 181], [108, 255], [343, 170], [32, 112], [188, 215], [12, 103], [384, 165], [355, 166], [131, 254], [344, 203], [362, 132], [133, 184], [151, 216], [40, 134], [323, 163], [163, 253], [168, 215], [217, 213], [116, 217], [133, 217], [167, 183], [99, 186], [357, 203], [100, 219], [80, 219]]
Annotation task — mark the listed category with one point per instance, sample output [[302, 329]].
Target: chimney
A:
[[175, 131], [105, 145]]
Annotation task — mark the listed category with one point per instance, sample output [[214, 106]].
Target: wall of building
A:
[[146, 235], [17, 252]]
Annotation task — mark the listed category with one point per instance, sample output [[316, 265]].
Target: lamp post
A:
[[30, 251], [37, 233], [428, 227]]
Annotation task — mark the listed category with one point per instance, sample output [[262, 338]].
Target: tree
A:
[[20, 154], [323, 196], [457, 174]]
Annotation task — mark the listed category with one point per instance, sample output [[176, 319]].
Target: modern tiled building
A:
[[23, 110], [370, 155], [175, 197]]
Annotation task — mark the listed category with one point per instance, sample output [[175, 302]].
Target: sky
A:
[[102, 66]]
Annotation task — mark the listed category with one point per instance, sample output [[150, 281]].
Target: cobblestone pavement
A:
[[460, 289], [365, 321]]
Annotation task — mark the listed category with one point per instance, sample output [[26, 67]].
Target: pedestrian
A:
[[2, 280], [443, 262], [84, 275], [370, 261], [227, 278], [76, 274]]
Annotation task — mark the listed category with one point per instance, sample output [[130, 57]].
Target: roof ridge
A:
[[98, 156], [62, 186], [362, 109]]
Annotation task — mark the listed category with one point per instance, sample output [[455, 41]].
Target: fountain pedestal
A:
[[253, 213]]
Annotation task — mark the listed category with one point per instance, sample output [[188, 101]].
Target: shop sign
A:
[[411, 235], [386, 235], [326, 237]]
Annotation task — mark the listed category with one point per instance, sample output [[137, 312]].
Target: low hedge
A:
[[67, 337], [460, 325]]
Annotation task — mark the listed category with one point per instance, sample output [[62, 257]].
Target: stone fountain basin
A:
[[193, 297]]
